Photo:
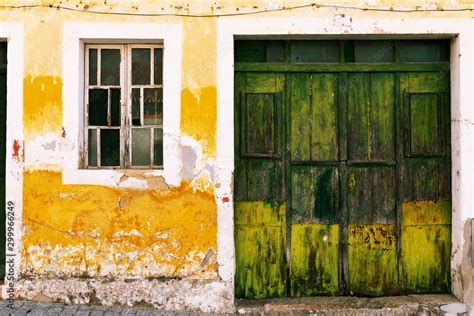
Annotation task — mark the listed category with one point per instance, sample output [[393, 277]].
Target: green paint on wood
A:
[[372, 195], [424, 124], [323, 117], [300, 100], [425, 264], [260, 236], [372, 259], [314, 259], [260, 213], [426, 213], [313, 192], [260, 118]]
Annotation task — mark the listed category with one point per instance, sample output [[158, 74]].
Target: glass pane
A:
[[110, 67], [98, 102], [115, 107], [110, 147], [275, 51], [141, 146], [373, 51], [158, 67], [3, 53], [92, 66], [136, 107], [140, 66], [424, 51], [153, 106], [249, 51], [92, 148], [158, 147], [314, 51]]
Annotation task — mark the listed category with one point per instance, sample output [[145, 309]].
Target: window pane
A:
[[3, 53], [115, 107], [92, 148], [249, 51], [141, 146], [373, 51], [158, 67], [98, 102], [314, 51], [136, 107], [158, 147], [110, 147], [424, 51], [275, 51], [110, 67], [140, 66], [92, 66], [153, 106]]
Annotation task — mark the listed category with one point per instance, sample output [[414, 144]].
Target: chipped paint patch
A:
[[42, 106], [93, 231], [165, 295]]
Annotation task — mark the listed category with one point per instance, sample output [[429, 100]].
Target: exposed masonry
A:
[[177, 295]]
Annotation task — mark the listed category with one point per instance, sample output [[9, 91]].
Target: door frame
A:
[[12, 33], [367, 26]]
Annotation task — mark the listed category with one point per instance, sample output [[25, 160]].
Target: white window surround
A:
[[13, 33], [75, 35], [355, 24]]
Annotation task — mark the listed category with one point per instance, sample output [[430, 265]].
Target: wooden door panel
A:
[[314, 260], [371, 119], [372, 259], [314, 195], [313, 117], [426, 183], [371, 197], [260, 209]]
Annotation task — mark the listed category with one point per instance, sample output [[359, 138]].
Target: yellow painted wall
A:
[[87, 230]]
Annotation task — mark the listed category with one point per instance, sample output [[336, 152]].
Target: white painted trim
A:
[[13, 32], [363, 24], [75, 35]]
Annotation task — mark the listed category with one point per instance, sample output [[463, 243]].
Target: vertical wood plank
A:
[[301, 119], [323, 117]]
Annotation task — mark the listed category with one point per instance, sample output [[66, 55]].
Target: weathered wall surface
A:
[[85, 242]]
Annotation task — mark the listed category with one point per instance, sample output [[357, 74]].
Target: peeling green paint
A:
[[372, 259], [314, 263], [260, 238]]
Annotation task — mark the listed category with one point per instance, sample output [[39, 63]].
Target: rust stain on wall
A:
[[91, 230], [42, 105]]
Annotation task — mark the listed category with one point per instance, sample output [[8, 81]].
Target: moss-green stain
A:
[[426, 247], [260, 238], [372, 259], [314, 259]]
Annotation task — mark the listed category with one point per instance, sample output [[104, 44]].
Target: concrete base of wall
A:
[[170, 295]]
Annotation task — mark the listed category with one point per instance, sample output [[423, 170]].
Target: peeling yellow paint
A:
[[199, 97], [94, 230], [199, 116], [42, 106]]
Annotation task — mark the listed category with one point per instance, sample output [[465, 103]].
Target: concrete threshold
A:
[[389, 305]]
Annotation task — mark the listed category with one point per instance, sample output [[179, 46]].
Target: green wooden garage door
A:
[[342, 168]]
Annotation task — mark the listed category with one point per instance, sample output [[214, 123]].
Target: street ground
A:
[[395, 305]]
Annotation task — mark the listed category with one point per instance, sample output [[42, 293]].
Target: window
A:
[[123, 106]]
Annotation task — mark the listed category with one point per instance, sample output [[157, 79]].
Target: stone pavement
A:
[[395, 305]]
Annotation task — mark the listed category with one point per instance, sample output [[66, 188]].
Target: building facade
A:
[[185, 154]]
